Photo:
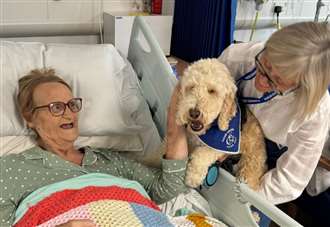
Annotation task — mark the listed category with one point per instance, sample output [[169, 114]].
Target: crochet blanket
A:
[[111, 205]]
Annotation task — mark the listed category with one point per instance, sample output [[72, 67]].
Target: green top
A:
[[21, 174]]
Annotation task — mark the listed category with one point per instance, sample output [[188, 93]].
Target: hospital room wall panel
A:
[[27, 11], [292, 11], [60, 17], [82, 17], [73, 10], [83, 39], [127, 5], [118, 5]]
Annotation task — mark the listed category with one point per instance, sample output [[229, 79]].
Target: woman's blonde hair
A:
[[29, 82], [301, 52]]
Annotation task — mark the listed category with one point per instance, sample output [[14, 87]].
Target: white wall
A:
[[82, 17], [128, 5], [85, 39], [60, 17], [293, 11], [48, 17]]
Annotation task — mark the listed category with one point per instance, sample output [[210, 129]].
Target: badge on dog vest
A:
[[224, 141]]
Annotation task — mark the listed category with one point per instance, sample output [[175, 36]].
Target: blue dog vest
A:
[[224, 141]]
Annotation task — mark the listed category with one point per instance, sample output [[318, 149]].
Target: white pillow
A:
[[17, 144], [113, 108], [96, 74], [17, 59]]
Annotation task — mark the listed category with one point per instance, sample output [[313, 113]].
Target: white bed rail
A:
[[157, 79], [230, 202]]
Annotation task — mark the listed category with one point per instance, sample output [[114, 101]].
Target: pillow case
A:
[[113, 104], [114, 114], [96, 74], [16, 60], [132, 143]]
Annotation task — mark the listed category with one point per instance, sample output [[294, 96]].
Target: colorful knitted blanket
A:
[[113, 205]]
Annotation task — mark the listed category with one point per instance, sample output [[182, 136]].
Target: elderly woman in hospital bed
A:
[[47, 105]]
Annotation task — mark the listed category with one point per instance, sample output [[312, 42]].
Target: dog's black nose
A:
[[194, 113]]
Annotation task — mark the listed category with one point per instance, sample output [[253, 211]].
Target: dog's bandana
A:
[[224, 141]]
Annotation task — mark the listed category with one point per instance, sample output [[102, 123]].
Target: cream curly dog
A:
[[207, 92]]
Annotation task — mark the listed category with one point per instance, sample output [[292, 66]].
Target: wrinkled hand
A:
[[176, 146], [78, 223]]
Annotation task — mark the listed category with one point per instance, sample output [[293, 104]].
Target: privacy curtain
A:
[[202, 28]]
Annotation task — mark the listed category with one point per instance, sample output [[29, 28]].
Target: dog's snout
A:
[[194, 113]]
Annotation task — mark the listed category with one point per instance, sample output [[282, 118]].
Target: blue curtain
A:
[[202, 28]]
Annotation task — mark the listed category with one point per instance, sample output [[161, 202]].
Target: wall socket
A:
[[284, 6]]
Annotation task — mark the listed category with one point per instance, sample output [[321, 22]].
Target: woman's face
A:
[[268, 78], [58, 129]]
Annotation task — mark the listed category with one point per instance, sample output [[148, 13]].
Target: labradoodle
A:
[[207, 94]]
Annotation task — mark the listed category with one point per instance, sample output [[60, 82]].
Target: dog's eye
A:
[[211, 91], [190, 88]]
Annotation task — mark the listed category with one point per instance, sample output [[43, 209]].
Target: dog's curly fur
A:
[[207, 92]]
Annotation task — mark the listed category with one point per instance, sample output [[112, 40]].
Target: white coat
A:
[[304, 139]]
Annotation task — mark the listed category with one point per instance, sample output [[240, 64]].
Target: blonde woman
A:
[[284, 83]]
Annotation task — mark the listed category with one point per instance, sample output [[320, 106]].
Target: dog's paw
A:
[[252, 181], [241, 180], [194, 178], [193, 182], [254, 184]]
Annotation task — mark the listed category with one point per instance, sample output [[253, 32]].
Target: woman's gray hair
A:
[[301, 52]]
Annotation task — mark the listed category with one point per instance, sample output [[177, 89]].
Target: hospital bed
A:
[[145, 83]]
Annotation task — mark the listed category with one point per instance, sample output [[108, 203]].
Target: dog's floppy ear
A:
[[228, 110]]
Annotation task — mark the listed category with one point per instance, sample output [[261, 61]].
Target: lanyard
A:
[[248, 76], [252, 100]]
